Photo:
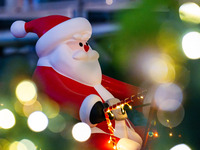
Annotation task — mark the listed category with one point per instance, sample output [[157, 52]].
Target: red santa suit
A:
[[56, 75], [70, 94]]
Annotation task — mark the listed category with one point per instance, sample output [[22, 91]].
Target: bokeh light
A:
[[28, 109], [49, 106], [161, 69], [4, 144], [170, 94], [183, 76], [181, 147], [17, 146], [24, 144], [81, 132], [167, 40], [191, 45], [26, 92], [37, 121], [158, 69], [28, 144], [171, 118], [155, 67], [169, 105], [109, 2], [190, 12], [156, 134], [57, 124], [7, 119], [19, 108]]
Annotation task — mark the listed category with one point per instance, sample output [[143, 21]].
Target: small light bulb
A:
[[156, 134], [170, 134], [112, 114], [151, 134], [118, 107]]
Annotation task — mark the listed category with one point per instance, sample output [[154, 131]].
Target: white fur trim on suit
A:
[[61, 33], [105, 94], [127, 144], [86, 107], [134, 136]]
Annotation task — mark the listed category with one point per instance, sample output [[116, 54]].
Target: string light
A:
[[171, 134], [154, 123], [111, 129], [151, 134], [111, 114], [129, 106], [156, 134], [119, 105]]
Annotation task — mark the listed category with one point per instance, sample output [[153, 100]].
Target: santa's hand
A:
[[92, 110], [120, 113], [97, 112]]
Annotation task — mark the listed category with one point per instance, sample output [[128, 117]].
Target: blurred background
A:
[[152, 44]]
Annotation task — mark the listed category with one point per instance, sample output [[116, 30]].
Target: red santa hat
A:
[[51, 30]]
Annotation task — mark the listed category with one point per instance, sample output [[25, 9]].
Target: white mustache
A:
[[82, 55]]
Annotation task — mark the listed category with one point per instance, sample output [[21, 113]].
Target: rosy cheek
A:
[[73, 45]]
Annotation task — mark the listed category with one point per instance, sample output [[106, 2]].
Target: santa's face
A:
[[75, 59], [81, 50]]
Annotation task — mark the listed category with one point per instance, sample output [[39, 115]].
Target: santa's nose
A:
[[86, 48]]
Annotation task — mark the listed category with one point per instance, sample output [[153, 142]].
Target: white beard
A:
[[77, 65]]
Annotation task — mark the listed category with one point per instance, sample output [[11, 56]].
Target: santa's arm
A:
[[121, 90]]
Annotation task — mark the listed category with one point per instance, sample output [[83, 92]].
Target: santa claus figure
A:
[[69, 72]]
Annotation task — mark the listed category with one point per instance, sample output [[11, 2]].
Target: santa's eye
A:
[[81, 44], [86, 43]]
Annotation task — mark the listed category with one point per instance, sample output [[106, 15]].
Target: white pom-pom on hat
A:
[[18, 29]]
